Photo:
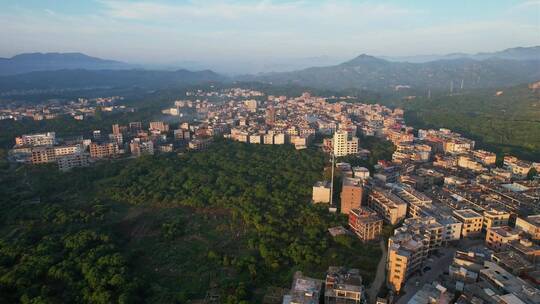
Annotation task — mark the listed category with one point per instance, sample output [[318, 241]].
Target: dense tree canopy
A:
[[232, 221]]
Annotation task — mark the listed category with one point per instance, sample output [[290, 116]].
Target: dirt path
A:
[[379, 277]]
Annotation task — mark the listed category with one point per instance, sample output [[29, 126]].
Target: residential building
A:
[[405, 257], [35, 140], [508, 285], [495, 218], [432, 293], [361, 172], [139, 147], [199, 143], [530, 225], [343, 145], [365, 223], [67, 150], [389, 206], [409, 247], [42, 155], [104, 150], [343, 286], [497, 238], [321, 192], [351, 194], [472, 222], [466, 266], [304, 290], [70, 161], [159, 126]]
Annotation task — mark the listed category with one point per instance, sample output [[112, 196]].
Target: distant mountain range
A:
[[75, 70], [79, 79], [31, 62], [509, 67], [518, 53]]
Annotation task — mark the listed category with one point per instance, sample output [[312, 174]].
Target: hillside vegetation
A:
[[230, 221], [509, 123]]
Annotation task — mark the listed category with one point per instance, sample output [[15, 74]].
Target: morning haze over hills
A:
[[507, 67]]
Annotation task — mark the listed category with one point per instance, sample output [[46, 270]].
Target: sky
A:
[[264, 31]]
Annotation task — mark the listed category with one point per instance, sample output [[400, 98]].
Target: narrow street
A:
[[380, 275]]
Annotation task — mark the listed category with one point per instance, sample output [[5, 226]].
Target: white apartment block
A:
[[342, 145]]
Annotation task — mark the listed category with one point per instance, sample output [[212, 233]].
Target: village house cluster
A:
[[439, 192], [78, 109]]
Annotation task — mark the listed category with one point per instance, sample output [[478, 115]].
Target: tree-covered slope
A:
[[231, 221], [508, 123]]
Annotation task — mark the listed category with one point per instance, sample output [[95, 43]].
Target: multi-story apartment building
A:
[[199, 143], [139, 147], [279, 139], [342, 145], [321, 192], [389, 206], [343, 286], [530, 225], [34, 140], [159, 126], [416, 200], [351, 194], [406, 254], [495, 218], [410, 246], [103, 150], [518, 167], [485, 157], [497, 238], [42, 155], [67, 150], [70, 161], [365, 223], [472, 222]]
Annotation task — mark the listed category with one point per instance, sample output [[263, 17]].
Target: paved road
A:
[[379, 277]]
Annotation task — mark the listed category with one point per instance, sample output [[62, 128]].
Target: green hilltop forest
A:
[[506, 124], [232, 221]]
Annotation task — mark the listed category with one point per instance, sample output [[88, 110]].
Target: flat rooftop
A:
[[467, 213]]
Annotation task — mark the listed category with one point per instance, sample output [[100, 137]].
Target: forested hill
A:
[[508, 122], [169, 228], [375, 74]]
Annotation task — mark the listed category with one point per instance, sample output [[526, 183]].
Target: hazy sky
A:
[[173, 31]]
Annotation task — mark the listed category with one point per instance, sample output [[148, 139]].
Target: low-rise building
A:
[[529, 225], [321, 192], [432, 293], [495, 218], [365, 223], [472, 222], [304, 290], [343, 286], [497, 238]]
